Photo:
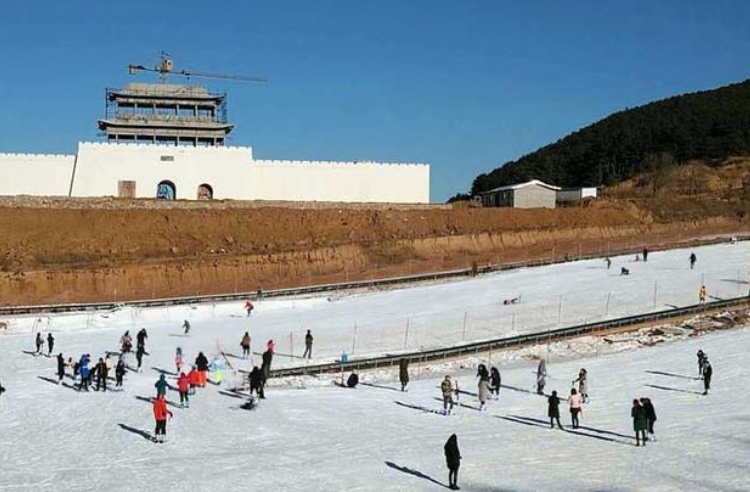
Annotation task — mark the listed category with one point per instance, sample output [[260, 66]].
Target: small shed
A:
[[570, 195], [532, 194]]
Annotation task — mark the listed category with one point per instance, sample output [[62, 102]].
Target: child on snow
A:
[[161, 412], [576, 407], [183, 385]]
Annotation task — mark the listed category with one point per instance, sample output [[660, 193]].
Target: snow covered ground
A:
[[326, 438], [439, 314]]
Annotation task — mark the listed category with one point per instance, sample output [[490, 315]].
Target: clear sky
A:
[[462, 84]]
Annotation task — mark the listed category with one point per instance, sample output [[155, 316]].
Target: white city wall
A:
[[35, 174], [230, 171]]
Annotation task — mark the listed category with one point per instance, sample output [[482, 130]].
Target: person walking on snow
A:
[[483, 392], [249, 307], [308, 345], [186, 328], [645, 255], [245, 344], [708, 371], [139, 357], [608, 262], [178, 359], [452, 460], [693, 259], [60, 368], [576, 407], [161, 386], [446, 387], [553, 410], [496, 381], [701, 358], [39, 343], [183, 386], [583, 384], [702, 294], [648, 407], [50, 344], [119, 372], [141, 338], [403, 373], [640, 422], [161, 413], [541, 377], [102, 371]]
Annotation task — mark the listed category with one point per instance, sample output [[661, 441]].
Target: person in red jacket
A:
[[183, 385], [161, 412], [193, 379]]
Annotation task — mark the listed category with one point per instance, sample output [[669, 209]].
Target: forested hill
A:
[[702, 125]]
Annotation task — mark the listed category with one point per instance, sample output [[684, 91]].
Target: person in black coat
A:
[[353, 380], [257, 382], [701, 358], [119, 372], [50, 344], [553, 410], [265, 367], [141, 338], [102, 371], [403, 373], [495, 381], [452, 460], [139, 357], [707, 373], [648, 407], [60, 367], [482, 373]]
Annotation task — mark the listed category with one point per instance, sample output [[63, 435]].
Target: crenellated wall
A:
[[231, 172]]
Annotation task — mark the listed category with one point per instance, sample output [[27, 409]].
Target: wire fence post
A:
[[406, 334], [656, 290], [354, 341], [463, 336], [606, 311]]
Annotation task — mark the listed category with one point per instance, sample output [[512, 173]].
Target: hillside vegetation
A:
[[708, 125]]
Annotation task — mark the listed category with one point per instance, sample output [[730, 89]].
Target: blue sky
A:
[[464, 85]]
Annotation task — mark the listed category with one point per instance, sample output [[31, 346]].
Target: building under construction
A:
[[169, 114]]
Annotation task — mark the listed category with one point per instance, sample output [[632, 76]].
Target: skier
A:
[[645, 255], [496, 381], [178, 359], [245, 344], [119, 372], [707, 373], [693, 259], [83, 370], [271, 346], [308, 345], [483, 392], [161, 385], [141, 338], [183, 385], [256, 382], [453, 461], [541, 376], [161, 412], [139, 357], [127, 342], [194, 378], [576, 407], [639, 422], [186, 328], [701, 358], [249, 307], [50, 344], [446, 387], [482, 372], [60, 368], [2, 389], [353, 380], [702, 294], [265, 366], [39, 343], [201, 363], [101, 375], [583, 384], [553, 410], [648, 407], [608, 262], [403, 373]]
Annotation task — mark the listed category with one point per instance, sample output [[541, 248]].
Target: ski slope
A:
[[434, 315], [376, 438]]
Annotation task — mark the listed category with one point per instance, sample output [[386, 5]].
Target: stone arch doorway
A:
[[205, 192], [166, 190]]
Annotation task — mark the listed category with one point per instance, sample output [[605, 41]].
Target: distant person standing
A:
[[39, 343], [119, 372], [701, 358], [245, 344], [161, 386], [452, 460], [483, 392], [183, 386], [583, 384], [495, 381], [50, 344], [608, 262], [640, 422], [553, 410], [102, 371], [541, 376], [141, 338], [161, 413], [60, 368], [403, 373], [645, 255], [265, 366], [708, 371], [648, 407], [693, 259], [446, 388], [308, 345], [139, 357], [186, 328], [702, 294], [576, 407]]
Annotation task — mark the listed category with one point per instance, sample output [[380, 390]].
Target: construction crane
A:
[[165, 67]]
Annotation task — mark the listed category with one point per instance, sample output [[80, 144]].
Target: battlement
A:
[[32, 157], [287, 162]]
